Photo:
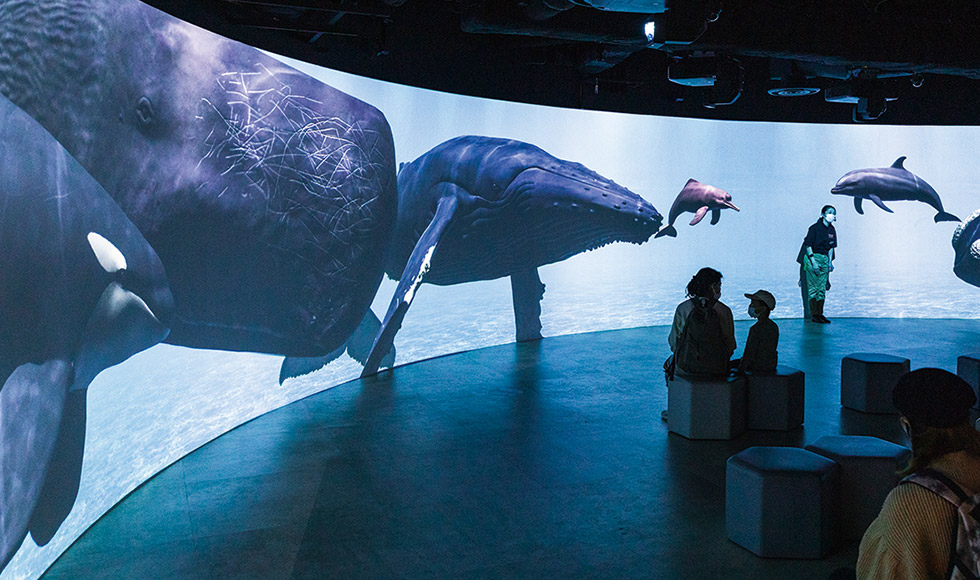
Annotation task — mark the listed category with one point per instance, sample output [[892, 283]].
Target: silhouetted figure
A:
[[920, 532], [760, 354], [817, 261], [702, 337]]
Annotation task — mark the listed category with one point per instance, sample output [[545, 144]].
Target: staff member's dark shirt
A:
[[821, 238]]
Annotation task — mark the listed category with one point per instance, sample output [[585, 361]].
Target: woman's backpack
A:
[[964, 557], [701, 348]]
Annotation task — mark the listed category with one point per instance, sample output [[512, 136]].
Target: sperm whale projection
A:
[[893, 183], [268, 195], [80, 291], [480, 208]]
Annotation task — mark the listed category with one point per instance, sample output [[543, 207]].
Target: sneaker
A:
[[823, 319]]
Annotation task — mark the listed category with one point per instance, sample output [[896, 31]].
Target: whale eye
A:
[[109, 256], [144, 110]]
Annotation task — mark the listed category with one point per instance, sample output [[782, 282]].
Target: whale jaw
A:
[[966, 245]]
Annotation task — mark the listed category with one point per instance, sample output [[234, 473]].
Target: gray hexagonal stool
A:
[[867, 380], [779, 502], [868, 471], [775, 400], [968, 369], [706, 407]]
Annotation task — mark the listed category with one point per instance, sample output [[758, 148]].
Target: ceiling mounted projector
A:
[[693, 71]]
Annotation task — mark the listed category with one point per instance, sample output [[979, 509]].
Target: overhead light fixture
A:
[[789, 80], [649, 28], [793, 91]]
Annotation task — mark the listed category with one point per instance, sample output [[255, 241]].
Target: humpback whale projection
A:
[[966, 246], [893, 183], [80, 291], [267, 194], [697, 198], [481, 208]]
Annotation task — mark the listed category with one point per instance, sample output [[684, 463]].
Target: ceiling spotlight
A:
[[789, 80], [793, 91], [649, 28]]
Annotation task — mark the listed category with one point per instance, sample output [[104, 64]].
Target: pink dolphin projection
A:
[[697, 198]]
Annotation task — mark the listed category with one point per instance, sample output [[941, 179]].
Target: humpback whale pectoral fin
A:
[[715, 216], [32, 402], [879, 203], [699, 215], [412, 276], [857, 205], [359, 344], [899, 163], [527, 291]]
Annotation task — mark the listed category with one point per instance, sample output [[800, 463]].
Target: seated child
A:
[[760, 347]]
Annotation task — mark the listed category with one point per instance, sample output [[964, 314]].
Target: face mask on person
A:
[[831, 218], [753, 312]]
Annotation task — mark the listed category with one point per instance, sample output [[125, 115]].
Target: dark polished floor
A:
[[537, 460]]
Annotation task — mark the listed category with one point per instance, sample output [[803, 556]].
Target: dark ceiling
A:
[[911, 62]]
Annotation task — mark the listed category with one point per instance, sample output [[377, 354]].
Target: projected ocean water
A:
[[162, 403]]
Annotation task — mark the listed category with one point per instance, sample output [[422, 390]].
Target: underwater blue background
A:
[[163, 403]]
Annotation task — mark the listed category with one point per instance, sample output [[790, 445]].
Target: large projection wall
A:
[[166, 401]]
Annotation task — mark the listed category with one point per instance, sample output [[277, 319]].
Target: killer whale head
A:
[[80, 290]]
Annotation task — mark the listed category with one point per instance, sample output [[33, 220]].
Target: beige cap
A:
[[763, 296]]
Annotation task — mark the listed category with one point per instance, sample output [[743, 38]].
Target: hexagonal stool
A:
[[779, 502], [868, 471], [968, 369], [867, 380], [706, 407], [775, 400]]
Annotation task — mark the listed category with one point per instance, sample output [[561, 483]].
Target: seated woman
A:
[[702, 337], [760, 354]]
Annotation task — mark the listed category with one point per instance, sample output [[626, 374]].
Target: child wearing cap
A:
[[760, 354]]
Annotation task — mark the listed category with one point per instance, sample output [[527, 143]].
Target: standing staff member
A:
[[818, 261]]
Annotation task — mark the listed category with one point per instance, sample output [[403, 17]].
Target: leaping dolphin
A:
[[697, 198], [481, 208], [893, 183], [966, 245], [80, 291]]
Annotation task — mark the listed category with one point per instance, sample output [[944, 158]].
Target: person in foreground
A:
[[920, 532], [760, 354]]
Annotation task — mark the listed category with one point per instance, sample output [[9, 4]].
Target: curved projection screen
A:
[[245, 207]]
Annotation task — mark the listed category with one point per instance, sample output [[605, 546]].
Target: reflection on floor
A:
[[543, 460]]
